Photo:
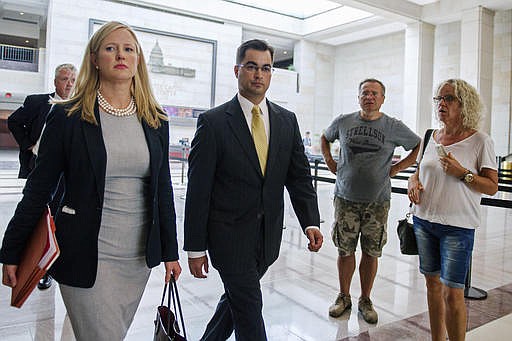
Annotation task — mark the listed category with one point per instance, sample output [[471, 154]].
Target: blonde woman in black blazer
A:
[[89, 139]]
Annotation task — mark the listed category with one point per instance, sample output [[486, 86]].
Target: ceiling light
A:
[[26, 41], [21, 13], [285, 52]]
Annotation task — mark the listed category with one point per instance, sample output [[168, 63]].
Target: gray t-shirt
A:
[[366, 151]]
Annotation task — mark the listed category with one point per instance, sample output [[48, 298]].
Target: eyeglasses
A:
[[369, 93], [252, 68], [447, 98]]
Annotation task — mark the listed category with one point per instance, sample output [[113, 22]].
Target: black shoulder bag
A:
[[405, 230]]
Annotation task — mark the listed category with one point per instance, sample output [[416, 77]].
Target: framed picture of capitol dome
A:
[[181, 68]]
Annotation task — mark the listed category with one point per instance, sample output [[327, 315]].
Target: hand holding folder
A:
[[39, 254]]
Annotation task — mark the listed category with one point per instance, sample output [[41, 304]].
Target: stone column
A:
[[502, 84], [315, 64], [418, 71], [477, 28]]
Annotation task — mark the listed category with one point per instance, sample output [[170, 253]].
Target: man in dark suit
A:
[[243, 155], [26, 125]]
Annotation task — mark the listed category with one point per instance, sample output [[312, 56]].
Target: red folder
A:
[[39, 254]]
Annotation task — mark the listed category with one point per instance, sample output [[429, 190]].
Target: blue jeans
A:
[[444, 250]]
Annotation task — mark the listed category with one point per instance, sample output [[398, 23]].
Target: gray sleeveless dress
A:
[[105, 311]]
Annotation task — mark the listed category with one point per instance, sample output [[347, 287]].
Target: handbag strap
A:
[[176, 298], [163, 296], [168, 304], [173, 294], [426, 138], [428, 134]]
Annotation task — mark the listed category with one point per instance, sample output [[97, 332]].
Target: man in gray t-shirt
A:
[[367, 140]]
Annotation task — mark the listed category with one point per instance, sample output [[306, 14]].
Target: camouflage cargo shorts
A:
[[352, 219]]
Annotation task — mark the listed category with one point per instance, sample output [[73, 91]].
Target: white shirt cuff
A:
[[311, 227], [196, 254]]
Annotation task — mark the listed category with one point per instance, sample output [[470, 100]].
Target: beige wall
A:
[[326, 76]]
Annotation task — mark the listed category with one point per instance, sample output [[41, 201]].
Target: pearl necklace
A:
[[129, 110]]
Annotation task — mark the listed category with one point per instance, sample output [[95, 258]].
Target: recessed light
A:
[[26, 41], [285, 52], [21, 13]]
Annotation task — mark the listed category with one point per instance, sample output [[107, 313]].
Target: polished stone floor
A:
[[298, 288]]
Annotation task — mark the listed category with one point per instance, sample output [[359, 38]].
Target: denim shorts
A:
[[444, 250]]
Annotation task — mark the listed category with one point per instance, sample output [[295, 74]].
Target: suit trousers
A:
[[240, 306]]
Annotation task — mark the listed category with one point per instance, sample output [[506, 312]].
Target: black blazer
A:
[[26, 124], [228, 198], [75, 148]]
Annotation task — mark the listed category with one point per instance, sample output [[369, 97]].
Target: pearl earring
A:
[[97, 67]]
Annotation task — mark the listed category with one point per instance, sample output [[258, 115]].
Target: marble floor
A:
[[298, 288]]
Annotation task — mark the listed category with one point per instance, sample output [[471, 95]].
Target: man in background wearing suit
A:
[[26, 125], [244, 153]]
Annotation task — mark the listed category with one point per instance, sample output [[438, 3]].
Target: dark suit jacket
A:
[[228, 198], [75, 148], [26, 124]]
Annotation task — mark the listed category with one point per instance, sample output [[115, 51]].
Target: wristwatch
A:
[[468, 177]]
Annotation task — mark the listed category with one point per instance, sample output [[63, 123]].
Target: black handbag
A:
[[166, 325], [405, 230]]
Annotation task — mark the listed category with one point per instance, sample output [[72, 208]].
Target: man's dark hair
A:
[[373, 80], [254, 44]]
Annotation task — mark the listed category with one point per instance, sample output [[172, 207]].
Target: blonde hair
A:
[[470, 102], [88, 82]]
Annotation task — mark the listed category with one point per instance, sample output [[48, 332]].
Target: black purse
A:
[[405, 230], [166, 325]]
